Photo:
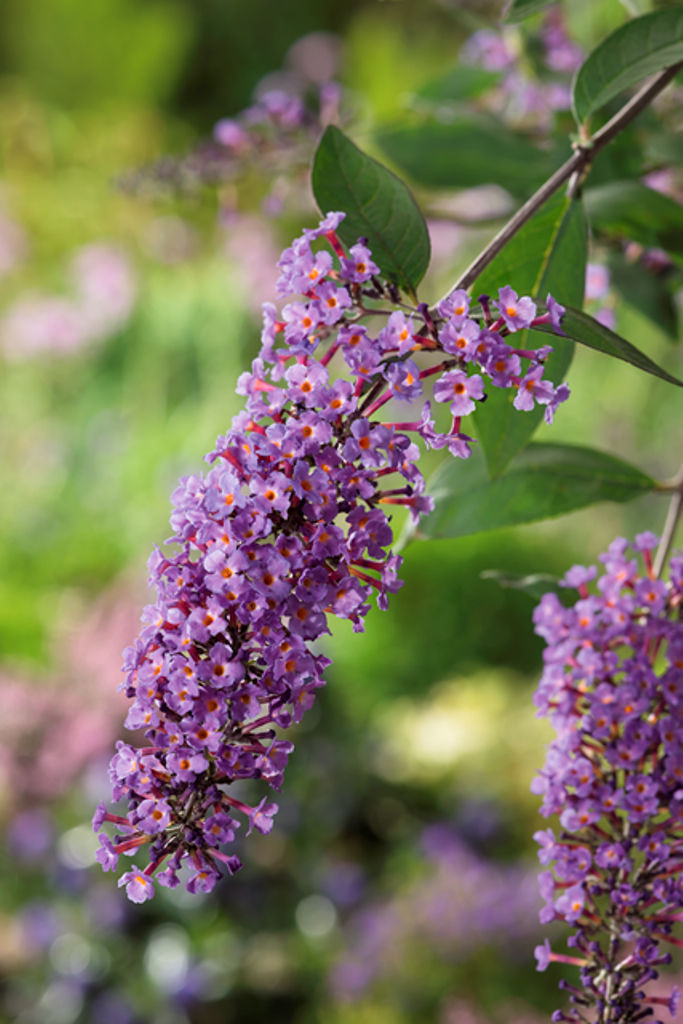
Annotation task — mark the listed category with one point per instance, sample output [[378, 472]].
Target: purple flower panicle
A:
[[288, 526], [612, 688]]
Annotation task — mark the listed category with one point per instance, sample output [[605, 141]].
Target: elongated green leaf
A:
[[587, 331], [623, 159], [470, 150], [631, 210], [636, 50], [648, 292], [462, 82], [547, 255], [377, 204], [545, 480], [535, 585], [518, 10], [661, 147]]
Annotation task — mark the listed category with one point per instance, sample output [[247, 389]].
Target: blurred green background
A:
[[398, 883]]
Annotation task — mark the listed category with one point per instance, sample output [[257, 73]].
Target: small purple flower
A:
[[359, 267], [332, 302], [460, 390], [561, 394], [202, 881], [99, 816], [646, 541], [611, 856], [460, 337], [542, 954], [404, 378], [397, 335], [502, 366], [139, 886], [261, 816], [569, 904], [555, 312], [578, 576], [152, 816], [106, 856], [186, 763], [455, 306], [530, 387], [517, 313], [674, 1000]]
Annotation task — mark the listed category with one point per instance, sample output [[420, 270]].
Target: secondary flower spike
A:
[[288, 526], [613, 690]]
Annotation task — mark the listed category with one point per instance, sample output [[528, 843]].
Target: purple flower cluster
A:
[[288, 526], [272, 138], [516, 94], [613, 690], [275, 108], [560, 52], [282, 100]]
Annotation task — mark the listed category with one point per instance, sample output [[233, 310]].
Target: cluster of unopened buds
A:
[[613, 690], [288, 526]]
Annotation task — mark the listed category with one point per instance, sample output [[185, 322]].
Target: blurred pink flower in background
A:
[[104, 296], [606, 317], [561, 52], [597, 281], [13, 244], [105, 287], [35, 324], [666, 181], [518, 96], [490, 49], [50, 730], [316, 57], [252, 251], [446, 239]]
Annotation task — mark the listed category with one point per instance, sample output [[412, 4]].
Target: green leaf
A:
[[377, 205], [646, 291], [587, 331], [472, 149], [661, 148], [460, 83], [631, 210], [637, 49], [547, 255], [518, 10], [545, 480], [535, 585], [623, 159]]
